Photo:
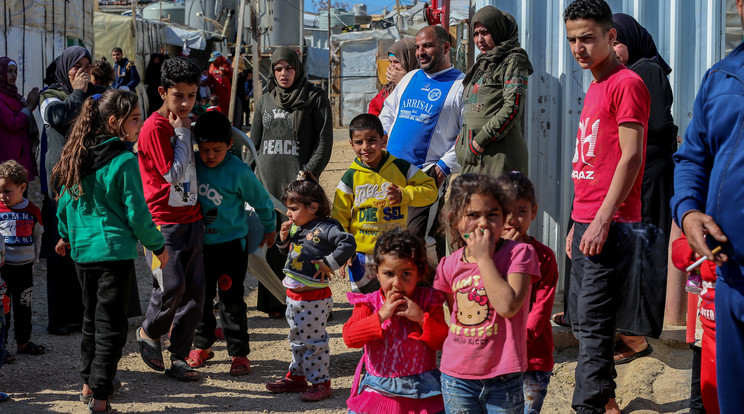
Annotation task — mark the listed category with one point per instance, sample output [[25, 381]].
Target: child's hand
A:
[[62, 247], [163, 258], [481, 244], [411, 310], [323, 271], [511, 234], [394, 194], [177, 122], [268, 239], [392, 302], [284, 230]]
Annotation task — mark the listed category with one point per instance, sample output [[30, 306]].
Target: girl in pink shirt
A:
[[401, 327], [486, 282]]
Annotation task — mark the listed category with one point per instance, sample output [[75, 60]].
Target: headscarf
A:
[[65, 62], [10, 90], [152, 73], [641, 46], [405, 51], [505, 33], [298, 96]]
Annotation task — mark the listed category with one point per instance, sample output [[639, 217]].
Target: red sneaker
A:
[[317, 392], [292, 383]]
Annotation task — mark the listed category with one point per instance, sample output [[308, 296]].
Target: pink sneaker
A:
[[317, 392], [292, 383]]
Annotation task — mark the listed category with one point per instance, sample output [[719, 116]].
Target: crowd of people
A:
[[434, 209]]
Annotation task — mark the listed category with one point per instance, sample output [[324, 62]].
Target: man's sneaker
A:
[[292, 383], [317, 392]]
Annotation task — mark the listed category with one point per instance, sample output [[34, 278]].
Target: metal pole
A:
[[469, 34], [302, 28], [236, 59], [255, 51], [397, 23], [330, 59]]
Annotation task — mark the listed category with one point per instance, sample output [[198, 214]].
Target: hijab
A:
[[65, 62], [641, 46], [297, 97], [505, 33], [5, 88], [152, 73], [405, 51]]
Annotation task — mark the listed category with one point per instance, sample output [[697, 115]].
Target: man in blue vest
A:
[[423, 115], [125, 74]]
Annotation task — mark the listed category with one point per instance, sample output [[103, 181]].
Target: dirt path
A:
[[50, 383]]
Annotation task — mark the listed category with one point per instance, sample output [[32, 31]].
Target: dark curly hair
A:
[[597, 10], [306, 190], [517, 186], [462, 188], [404, 245], [179, 69]]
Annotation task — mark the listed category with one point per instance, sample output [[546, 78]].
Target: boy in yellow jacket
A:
[[375, 193]]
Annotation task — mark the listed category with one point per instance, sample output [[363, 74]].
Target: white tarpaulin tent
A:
[[35, 32]]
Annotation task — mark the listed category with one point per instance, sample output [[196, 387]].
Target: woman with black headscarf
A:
[[60, 105], [152, 79], [402, 56], [642, 309], [491, 139], [292, 131]]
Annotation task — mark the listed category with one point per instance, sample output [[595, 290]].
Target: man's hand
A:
[[394, 194], [696, 225], [268, 239], [163, 258], [569, 240], [439, 175], [595, 236]]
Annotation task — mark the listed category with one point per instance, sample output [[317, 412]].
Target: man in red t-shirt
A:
[[607, 174]]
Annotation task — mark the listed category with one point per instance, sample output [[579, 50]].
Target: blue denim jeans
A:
[[535, 388], [502, 395]]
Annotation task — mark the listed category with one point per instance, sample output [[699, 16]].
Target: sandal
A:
[[85, 398], [560, 319], [8, 358], [198, 357], [31, 349], [92, 411], [240, 366], [179, 370], [4, 397], [624, 358], [150, 350]]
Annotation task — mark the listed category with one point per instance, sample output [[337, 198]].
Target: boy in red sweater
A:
[[539, 331]]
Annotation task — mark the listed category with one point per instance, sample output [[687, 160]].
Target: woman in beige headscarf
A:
[[402, 56]]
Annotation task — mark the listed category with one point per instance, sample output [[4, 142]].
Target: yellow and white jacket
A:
[[361, 204]]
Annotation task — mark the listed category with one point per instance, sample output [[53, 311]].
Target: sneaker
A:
[[317, 392], [292, 383], [219, 333]]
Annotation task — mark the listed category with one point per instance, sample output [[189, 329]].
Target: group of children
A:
[[189, 213]]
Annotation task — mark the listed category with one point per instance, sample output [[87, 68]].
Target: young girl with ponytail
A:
[[102, 214]]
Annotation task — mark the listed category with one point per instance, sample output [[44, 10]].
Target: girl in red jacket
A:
[[401, 327]]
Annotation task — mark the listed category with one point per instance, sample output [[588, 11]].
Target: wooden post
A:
[[302, 28], [330, 58], [236, 59], [256, 52]]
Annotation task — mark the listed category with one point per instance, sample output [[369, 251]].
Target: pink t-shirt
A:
[[481, 344], [619, 97]]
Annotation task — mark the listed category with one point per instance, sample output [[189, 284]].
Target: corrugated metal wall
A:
[[690, 36]]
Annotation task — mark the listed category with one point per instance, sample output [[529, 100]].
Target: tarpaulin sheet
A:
[[178, 36]]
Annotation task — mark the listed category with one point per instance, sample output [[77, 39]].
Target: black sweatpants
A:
[[106, 291], [19, 279], [180, 301], [63, 286], [596, 285], [225, 266]]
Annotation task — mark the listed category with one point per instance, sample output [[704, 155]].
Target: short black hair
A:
[[517, 186], [365, 122], [117, 49], [213, 126], [597, 10], [177, 70]]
